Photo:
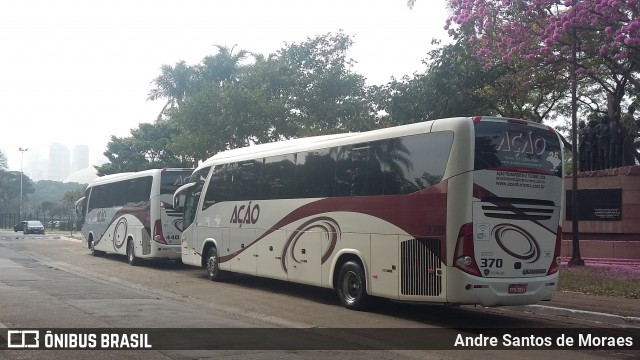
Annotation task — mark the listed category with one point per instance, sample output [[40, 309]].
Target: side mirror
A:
[[178, 202], [79, 206]]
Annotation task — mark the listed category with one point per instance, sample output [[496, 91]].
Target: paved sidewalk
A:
[[603, 309], [606, 309]]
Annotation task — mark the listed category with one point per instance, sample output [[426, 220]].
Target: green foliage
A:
[[148, 147], [3, 161], [235, 98], [47, 194], [10, 190], [302, 89], [456, 83]]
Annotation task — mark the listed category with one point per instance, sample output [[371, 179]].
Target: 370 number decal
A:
[[486, 262]]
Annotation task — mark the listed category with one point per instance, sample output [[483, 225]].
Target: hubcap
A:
[[351, 286]]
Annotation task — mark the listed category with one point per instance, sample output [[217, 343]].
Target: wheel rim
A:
[[351, 287], [212, 265], [131, 255]]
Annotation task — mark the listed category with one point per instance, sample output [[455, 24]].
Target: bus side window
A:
[[416, 162], [315, 174], [246, 185], [220, 185], [277, 180]]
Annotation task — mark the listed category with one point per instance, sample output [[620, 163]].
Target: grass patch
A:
[[603, 280]]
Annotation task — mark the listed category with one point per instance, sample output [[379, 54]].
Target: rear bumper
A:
[[33, 231], [467, 289]]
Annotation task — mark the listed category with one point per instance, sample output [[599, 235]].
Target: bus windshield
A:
[[517, 145]]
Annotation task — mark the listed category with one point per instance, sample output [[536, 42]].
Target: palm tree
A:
[[173, 84], [223, 66]]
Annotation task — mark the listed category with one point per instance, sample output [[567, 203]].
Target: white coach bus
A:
[[459, 210], [127, 214]]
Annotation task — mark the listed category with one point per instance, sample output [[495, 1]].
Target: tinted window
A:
[[412, 163], [245, 185], [502, 144], [170, 181], [315, 173], [193, 196], [359, 171], [220, 186], [277, 178]]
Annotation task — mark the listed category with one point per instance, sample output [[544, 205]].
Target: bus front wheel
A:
[[352, 289], [213, 265], [131, 254], [92, 247]]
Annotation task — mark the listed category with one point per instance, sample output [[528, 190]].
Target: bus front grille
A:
[[420, 267]]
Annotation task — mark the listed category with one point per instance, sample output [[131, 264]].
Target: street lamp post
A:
[[21, 175]]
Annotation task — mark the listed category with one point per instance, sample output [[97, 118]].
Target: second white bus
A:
[[127, 214], [459, 210]]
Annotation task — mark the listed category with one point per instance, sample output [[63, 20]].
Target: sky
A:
[[77, 72]]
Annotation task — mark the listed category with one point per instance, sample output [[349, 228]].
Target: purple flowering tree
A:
[[538, 35]]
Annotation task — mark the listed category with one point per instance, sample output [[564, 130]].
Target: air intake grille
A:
[[420, 267], [518, 209]]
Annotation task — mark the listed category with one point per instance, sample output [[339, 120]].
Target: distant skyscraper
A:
[[58, 162], [33, 165], [80, 158]]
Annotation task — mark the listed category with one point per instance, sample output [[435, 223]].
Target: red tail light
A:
[[555, 262], [464, 257], [157, 232]]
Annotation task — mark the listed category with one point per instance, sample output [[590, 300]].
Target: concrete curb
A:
[[580, 314]]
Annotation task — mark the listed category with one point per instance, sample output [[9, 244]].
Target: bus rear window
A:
[[172, 180], [501, 145]]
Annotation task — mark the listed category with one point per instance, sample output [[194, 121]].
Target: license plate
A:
[[517, 288]]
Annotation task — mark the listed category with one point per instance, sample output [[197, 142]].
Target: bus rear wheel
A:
[[131, 254], [352, 286], [213, 265]]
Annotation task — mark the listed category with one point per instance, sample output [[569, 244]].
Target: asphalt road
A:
[[53, 282]]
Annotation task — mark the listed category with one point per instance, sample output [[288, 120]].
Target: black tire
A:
[[352, 286], [131, 253], [94, 252], [213, 265]]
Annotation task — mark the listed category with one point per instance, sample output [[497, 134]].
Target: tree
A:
[[148, 147], [539, 34], [69, 198], [10, 194], [301, 89], [224, 66], [324, 94], [3, 161], [172, 84]]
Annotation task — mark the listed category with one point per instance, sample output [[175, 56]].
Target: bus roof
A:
[[131, 175], [324, 141], [313, 143]]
